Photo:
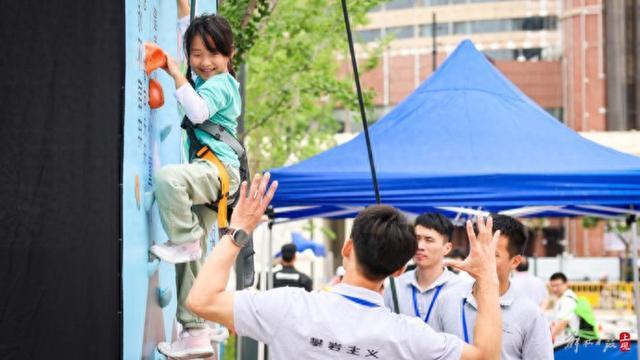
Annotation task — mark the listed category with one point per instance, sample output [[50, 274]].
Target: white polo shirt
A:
[[346, 322], [530, 286], [565, 309], [414, 302], [525, 331]]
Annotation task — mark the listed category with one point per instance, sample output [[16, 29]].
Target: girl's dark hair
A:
[[210, 27]]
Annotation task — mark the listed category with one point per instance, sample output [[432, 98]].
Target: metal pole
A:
[[636, 290], [363, 114], [434, 51], [365, 127], [270, 257]]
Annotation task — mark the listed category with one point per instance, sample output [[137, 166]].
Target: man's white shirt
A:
[[565, 310], [530, 286], [342, 323], [525, 330], [407, 283]]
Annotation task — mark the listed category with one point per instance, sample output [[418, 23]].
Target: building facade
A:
[[521, 37], [578, 59]]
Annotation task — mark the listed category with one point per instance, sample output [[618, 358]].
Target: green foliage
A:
[[230, 348], [326, 231], [294, 55], [589, 222]]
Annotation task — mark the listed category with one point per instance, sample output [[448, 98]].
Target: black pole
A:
[[192, 12], [434, 52], [365, 126], [356, 77]]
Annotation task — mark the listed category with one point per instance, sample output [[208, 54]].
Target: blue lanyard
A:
[[464, 323], [433, 301], [359, 301]]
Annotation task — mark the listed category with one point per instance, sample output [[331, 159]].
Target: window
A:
[[500, 54], [435, 2], [461, 27], [442, 29], [400, 4], [532, 54], [536, 23], [489, 26], [515, 54], [556, 113], [401, 32], [368, 35]]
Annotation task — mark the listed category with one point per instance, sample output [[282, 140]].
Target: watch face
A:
[[240, 237]]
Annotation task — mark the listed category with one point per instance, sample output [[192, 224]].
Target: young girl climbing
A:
[[183, 191]]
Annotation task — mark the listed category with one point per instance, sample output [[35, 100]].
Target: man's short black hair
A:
[[288, 252], [384, 241], [438, 222], [523, 266], [457, 253], [513, 230], [558, 276]]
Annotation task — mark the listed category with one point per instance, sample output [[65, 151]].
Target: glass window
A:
[[500, 54], [532, 54], [461, 27], [400, 4], [550, 23], [532, 23], [517, 24], [536, 23], [435, 2], [442, 29], [556, 113], [401, 32], [489, 26], [368, 35]]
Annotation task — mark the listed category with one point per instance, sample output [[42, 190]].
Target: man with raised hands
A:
[[350, 319]]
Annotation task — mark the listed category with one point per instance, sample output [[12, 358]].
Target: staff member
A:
[[350, 320], [289, 275], [567, 323], [419, 289], [525, 331]]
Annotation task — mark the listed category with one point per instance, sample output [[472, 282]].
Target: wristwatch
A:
[[239, 236]]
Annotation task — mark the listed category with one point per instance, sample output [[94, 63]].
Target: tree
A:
[[294, 52]]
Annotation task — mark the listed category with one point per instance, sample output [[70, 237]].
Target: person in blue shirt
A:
[[183, 191]]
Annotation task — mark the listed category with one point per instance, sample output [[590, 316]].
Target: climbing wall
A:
[[152, 138]]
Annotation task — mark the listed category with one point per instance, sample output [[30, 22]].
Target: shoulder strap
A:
[[221, 134]]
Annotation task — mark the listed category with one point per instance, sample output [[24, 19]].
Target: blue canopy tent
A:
[[303, 244], [467, 138], [466, 141]]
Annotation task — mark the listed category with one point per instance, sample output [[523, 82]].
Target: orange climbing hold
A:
[[156, 96], [154, 57]]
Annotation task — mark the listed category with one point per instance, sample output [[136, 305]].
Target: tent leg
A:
[[636, 290], [269, 258]]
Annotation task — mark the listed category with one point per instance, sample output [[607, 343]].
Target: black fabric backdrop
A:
[[61, 108]]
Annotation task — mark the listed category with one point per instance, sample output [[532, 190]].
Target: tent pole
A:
[[269, 257], [634, 267], [365, 127], [363, 114]]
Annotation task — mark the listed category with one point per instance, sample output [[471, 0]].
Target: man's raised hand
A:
[[253, 203], [481, 262]]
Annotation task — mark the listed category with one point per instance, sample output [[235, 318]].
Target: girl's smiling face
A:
[[204, 62]]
